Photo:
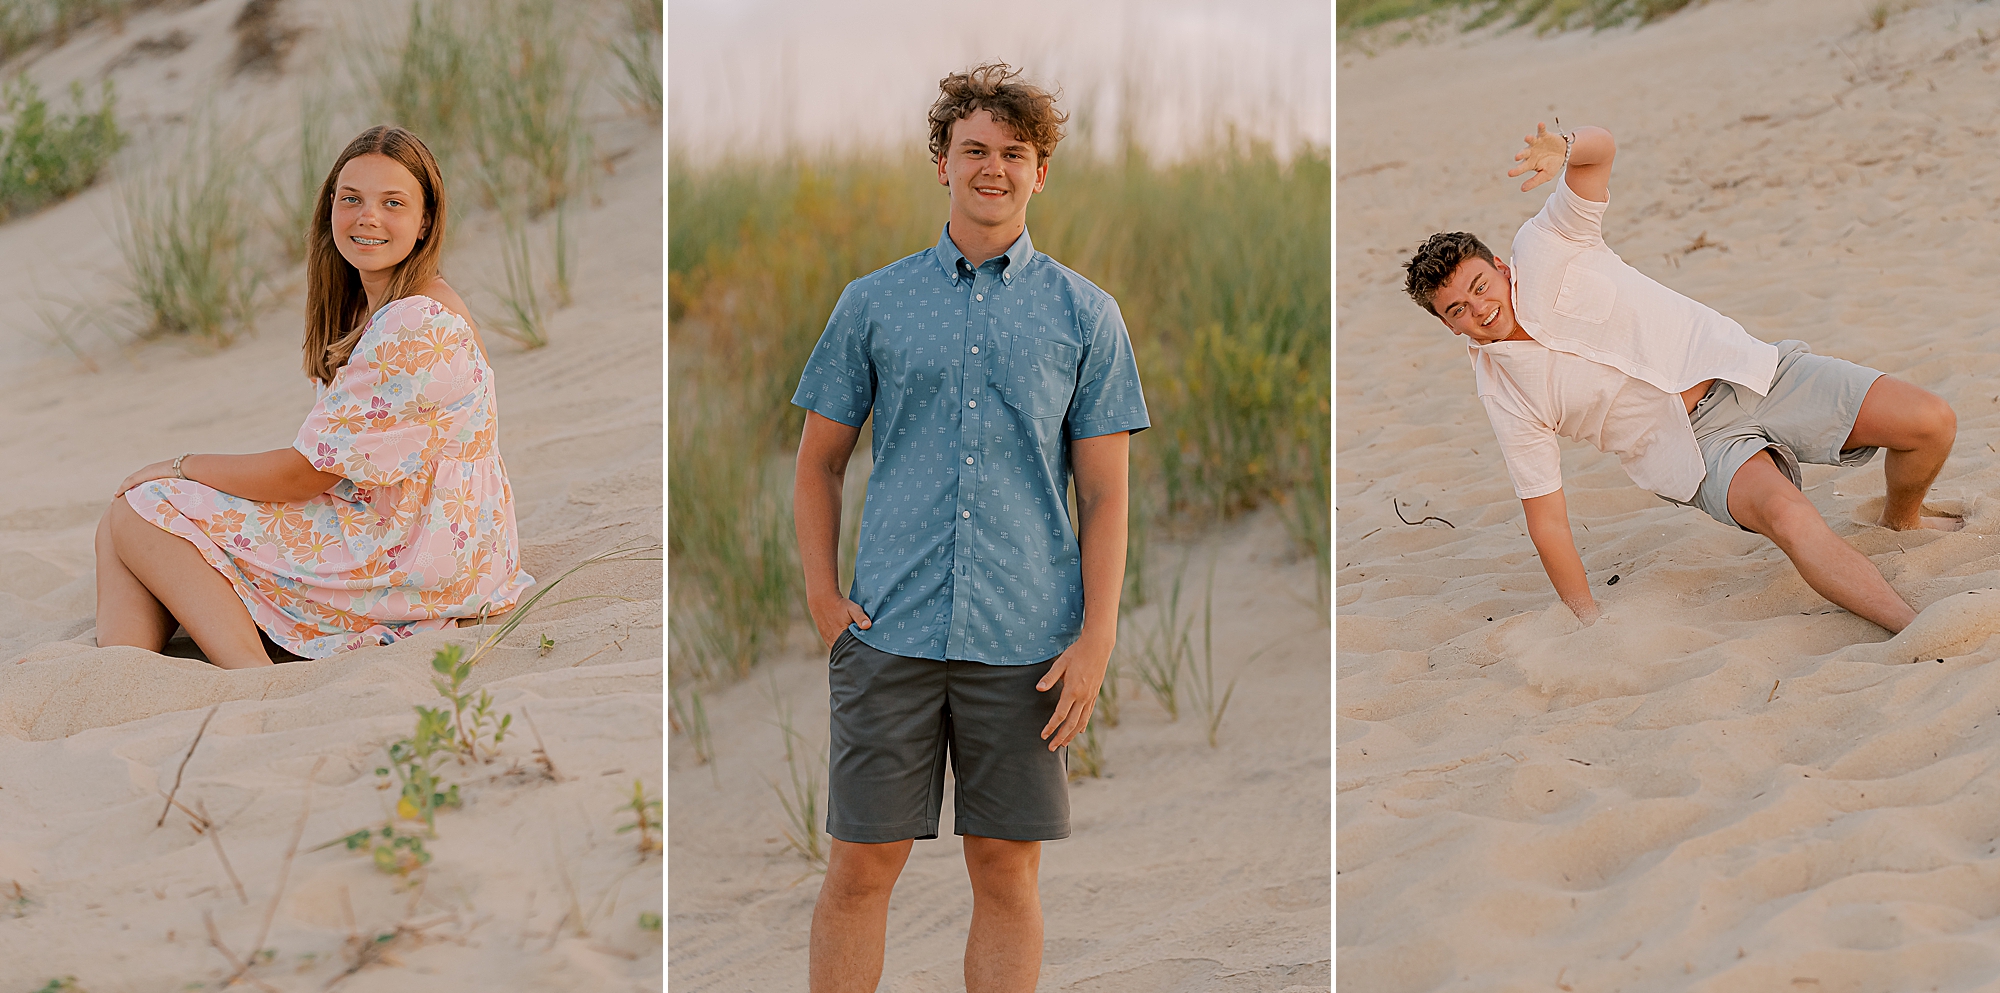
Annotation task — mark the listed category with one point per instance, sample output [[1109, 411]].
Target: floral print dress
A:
[[418, 533]]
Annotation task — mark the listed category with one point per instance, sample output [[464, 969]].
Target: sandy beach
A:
[[532, 886], [1190, 868], [1725, 784]]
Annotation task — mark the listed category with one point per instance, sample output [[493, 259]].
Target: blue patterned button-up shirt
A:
[[979, 379]]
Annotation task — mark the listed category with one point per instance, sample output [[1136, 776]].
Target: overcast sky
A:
[[752, 76]]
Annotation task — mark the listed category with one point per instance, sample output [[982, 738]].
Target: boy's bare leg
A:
[[1917, 429], [1763, 499], [851, 917], [1003, 952]]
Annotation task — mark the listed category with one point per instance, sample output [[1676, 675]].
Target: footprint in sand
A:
[[1944, 515]]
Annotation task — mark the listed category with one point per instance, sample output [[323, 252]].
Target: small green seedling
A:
[[393, 851], [66, 984], [649, 922], [414, 761], [472, 721], [647, 809], [548, 644]]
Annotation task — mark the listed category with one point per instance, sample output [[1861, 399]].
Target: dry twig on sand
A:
[[184, 764], [285, 873], [541, 751], [242, 967]]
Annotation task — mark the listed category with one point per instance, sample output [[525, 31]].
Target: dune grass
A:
[[25, 23], [1544, 15], [1219, 265], [48, 157], [494, 88], [636, 46], [186, 229]]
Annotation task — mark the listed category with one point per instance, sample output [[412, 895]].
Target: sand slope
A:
[[1725, 784], [532, 888], [1189, 869]]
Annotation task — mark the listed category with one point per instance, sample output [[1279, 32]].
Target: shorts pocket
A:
[[1038, 377], [1586, 294]]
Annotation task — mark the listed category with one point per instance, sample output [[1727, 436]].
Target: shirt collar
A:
[[1016, 255]]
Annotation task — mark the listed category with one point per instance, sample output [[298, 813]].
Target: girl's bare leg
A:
[[127, 612], [180, 581]]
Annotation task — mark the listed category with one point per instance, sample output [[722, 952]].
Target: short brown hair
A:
[[1434, 263], [995, 88]]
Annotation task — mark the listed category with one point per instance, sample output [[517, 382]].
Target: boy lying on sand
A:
[[1570, 341]]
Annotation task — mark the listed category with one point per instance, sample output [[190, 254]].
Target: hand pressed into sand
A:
[[1080, 670], [1544, 156], [831, 615]]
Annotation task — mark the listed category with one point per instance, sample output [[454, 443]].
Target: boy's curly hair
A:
[[1434, 263], [995, 88]]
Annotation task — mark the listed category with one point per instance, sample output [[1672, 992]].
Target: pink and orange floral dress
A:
[[421, 530]]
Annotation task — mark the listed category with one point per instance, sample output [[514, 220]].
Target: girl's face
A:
[[378, 214]]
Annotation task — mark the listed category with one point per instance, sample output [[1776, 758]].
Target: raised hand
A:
[[1545, 155]]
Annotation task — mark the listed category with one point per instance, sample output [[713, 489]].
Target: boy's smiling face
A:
[[991, 172], [1477, 302]]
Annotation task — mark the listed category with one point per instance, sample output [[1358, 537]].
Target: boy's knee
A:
[[1785, 517], [1940, 422]]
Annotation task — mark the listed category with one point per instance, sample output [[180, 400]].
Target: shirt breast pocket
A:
[[1586, 294], [1039, 376]]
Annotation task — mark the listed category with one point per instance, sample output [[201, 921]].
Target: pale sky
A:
[[751, 76]]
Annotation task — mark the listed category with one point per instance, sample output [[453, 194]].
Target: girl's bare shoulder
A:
[[437, 289]]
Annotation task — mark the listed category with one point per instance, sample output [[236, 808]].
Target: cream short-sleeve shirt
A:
[[1612, 351]]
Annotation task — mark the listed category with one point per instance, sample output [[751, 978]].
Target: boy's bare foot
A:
[[1932, 523]]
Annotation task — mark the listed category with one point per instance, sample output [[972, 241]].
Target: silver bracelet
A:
[[177, 466]]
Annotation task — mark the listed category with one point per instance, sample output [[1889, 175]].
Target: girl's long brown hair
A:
[[336, 305]]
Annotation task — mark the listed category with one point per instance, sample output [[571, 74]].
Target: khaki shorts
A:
[[1809, 412]]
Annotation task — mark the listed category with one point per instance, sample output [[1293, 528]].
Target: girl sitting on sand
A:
[[390, 514]]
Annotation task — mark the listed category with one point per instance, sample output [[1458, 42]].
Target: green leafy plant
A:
[[474, 732], [414, 761], [393, 851], [647, 809], [45, 158], [66, 984]]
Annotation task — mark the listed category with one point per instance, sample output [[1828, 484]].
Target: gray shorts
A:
[[897, 720], [1810, 410]]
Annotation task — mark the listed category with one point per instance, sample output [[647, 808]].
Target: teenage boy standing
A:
[[981, 618]]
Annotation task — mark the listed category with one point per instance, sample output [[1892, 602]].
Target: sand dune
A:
[[1726, 783], [1189, 869], [532, 888]]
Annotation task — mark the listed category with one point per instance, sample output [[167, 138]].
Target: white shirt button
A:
[[965, 513], [972, 403], [968, 460], [979, 296], [975, 349]]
